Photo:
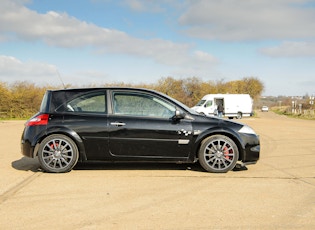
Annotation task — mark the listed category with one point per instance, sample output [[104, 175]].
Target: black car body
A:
[[129, 124]]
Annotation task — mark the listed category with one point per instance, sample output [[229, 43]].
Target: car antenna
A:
[[64, 86]]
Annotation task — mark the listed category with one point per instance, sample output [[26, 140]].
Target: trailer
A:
[[234, 105]]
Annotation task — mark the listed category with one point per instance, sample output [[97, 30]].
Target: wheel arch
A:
[[229, 133], [67, 132], [239, 115]]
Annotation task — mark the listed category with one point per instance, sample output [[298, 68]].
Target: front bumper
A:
[[252, 154]]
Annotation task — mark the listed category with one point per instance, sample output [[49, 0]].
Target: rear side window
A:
[[88, 103], [45, 103]]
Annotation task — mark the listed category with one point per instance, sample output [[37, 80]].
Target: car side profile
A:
[[135, 125]]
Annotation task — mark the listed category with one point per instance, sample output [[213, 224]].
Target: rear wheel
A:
[[239, 115], [58, 153], [218, 154]]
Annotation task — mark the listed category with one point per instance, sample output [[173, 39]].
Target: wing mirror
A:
[[179, 115]]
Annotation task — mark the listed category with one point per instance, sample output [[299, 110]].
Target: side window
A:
[[141, 105], [208, 104], [89, 103]]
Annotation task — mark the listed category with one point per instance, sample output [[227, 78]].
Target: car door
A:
[[141, 126], [86, 115]]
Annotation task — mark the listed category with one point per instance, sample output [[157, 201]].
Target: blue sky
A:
[[140, 41]]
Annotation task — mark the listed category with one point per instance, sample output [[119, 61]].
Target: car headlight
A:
[[246, 129]]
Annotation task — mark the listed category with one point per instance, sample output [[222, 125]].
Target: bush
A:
[[23, 99]]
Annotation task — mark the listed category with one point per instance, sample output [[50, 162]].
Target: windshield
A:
[[185, 107], [201, 102]]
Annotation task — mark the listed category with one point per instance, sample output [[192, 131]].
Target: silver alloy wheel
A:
[[218, 153], [58, 153]]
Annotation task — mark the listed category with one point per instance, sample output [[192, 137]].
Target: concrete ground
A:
[[276, 193]]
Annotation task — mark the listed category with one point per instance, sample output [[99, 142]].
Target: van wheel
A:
[[218, 154], [239, 115], [58, 154]]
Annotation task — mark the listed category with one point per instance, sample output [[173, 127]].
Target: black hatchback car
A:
[[129, 124]]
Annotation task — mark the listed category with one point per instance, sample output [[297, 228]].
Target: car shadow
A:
[[26, 164], [32, 164], [146, 166], [137, 166]]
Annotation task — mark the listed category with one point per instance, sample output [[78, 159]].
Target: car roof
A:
[[101, 88]]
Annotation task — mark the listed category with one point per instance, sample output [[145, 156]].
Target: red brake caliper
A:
[[54, 146], [226, 152]]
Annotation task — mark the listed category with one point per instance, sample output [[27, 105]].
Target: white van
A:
[[235, 105]]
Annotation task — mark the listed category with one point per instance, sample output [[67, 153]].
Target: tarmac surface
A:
[[276, 193]]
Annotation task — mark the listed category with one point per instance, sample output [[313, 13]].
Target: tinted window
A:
[[45, 103], [141, 105], [90, 103]]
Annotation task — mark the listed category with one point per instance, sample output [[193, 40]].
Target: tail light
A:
[[41, 119]]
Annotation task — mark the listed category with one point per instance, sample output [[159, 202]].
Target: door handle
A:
[[118, 123]]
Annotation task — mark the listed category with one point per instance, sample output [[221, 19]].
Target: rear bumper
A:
[[30, 139], [26, 149]]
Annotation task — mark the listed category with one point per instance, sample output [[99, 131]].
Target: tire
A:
[[218, 154], [58, 154], [239, 115]]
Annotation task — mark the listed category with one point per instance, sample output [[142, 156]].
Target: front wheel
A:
[[218, 154], [58, 153]]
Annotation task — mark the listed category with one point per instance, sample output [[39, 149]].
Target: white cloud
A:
[[13, 69], [62, 30], [204, 57], [149, 5], [137, 5], [232, 20], [291, 49], [53, 28]]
